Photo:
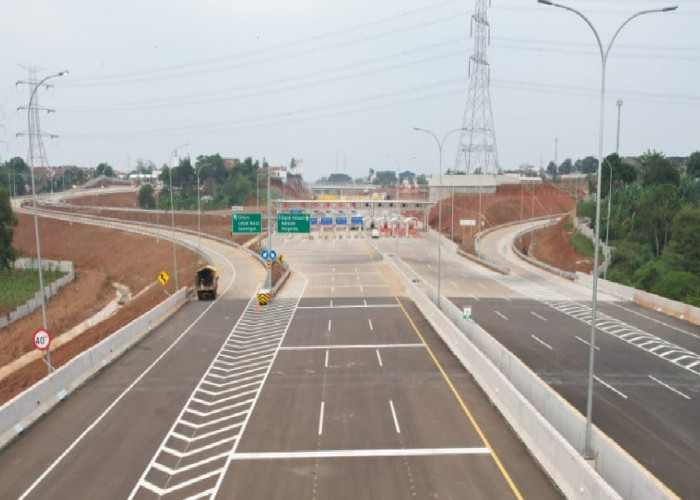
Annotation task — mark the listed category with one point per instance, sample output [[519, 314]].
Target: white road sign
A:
[[42, 339]]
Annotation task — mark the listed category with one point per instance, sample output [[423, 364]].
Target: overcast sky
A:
[[341, 84]]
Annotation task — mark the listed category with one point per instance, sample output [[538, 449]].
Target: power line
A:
[[183, 70]]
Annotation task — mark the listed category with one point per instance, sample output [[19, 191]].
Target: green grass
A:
[[584, 246], [20, 286]]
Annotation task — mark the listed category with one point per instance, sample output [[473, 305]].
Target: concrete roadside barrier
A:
[[24, 409]]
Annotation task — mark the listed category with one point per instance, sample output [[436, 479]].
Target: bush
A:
[[679, 285]]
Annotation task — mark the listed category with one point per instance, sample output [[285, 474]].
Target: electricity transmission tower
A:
[[476, 152], [37, 152]]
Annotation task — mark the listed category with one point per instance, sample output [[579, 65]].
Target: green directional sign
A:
[[293, 223], [247, 223]]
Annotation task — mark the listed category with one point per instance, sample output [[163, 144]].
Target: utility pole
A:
[[34, 134], [617, 143], [37, 152], [477, 142]]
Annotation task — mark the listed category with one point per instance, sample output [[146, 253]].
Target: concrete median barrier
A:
[[547, 424]]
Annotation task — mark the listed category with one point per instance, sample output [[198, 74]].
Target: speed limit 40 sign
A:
[[42, 339]]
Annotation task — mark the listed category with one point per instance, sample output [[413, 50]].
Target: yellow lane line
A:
[[456, 394]]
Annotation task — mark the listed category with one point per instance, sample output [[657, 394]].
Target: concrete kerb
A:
[[24, 409], [559, 459]]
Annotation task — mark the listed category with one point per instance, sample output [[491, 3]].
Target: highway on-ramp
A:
[[338, 388]]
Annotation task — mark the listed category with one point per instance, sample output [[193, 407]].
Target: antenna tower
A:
[[37, 152], [477, 142]]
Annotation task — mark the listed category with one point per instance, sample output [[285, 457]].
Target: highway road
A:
[[337, 389], [647, 365]]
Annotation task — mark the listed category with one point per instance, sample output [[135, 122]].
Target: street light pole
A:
[[617, 142], [440, 144], [607, 224], [269, 225], [172, 211], [36, 215], [604, 52], [199, 216]]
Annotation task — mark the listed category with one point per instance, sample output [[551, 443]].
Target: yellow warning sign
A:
[[263, 297], [163, 278]]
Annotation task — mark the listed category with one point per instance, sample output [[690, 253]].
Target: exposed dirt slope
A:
[[101, 257]]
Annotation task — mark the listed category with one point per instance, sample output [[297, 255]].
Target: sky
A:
[[341, 84]]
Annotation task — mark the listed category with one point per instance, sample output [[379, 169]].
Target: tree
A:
[[8, 222], [685, 238], [385, 178], [552, 168], [339, 179], [692, 166], [18, 173], [104, 169], [658, 205], [211, 167], [656, 170], [566, 167], [679, 285], [589, 165], [184, 175], [146, 197], [611, 166], [235, 190]]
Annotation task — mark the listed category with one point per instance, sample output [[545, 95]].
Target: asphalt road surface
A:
[[336, 389], [647, 365]]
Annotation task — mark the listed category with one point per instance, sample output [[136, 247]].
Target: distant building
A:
[[297, 167], [472, 184]]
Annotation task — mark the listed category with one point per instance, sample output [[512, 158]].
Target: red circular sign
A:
[[41, 339]]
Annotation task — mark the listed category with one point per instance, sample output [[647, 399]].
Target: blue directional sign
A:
[[264, 255], [296, 211], [341, 221], [313, 221], [273, 255], [356, 221], [326, 221]]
